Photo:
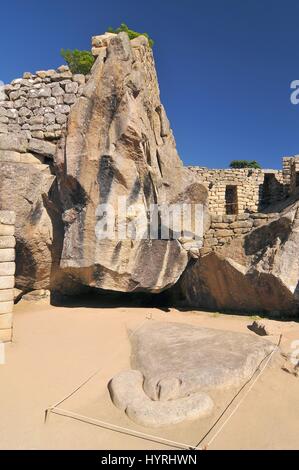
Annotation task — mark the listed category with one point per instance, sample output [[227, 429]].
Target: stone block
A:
[[6, 307], [97, 51], [71, 87], [6, 230], [229, 218], [210, 242], [9, 156], [221, 225], [42, 147], [216, 218], [244, 216], [69, 98], [7, 217], [102, 40], [63, 68], [32, 159], [44, 92], [7, 268], [57, 91], [25, 112], [61, 118], [242, 224], [7, 282], [62, 109], [13, 143], [7, 242], [6, 295], [259, 215], [223, 233], [7, 254], [79, 78]]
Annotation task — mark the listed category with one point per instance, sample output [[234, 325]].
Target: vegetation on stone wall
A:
[[78, 61], [131, 33], [245, 164]]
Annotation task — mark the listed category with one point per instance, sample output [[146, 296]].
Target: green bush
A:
[[245, 164], [78, 61], [132, 34]]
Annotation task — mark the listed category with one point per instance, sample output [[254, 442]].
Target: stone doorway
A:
[[231, 199], [268, 185]]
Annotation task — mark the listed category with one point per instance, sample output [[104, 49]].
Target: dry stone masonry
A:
[[225, 228], [7, 272], [37, 105], [233, 191]]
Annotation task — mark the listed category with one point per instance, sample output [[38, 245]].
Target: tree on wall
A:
[[78, 61], [245, 164]]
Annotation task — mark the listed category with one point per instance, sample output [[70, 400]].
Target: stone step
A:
[[7, 254], [6, 307], [7, 242], [7, 282], [7, 217], [7, 268], [6, 295], [7, 230]]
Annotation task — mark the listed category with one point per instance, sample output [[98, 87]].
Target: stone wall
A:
[[290, 166], [250, 184], [225, 228], [294, 178], [7, 272], [37, 105]]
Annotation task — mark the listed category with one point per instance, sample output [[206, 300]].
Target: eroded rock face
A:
[[259, 272], [119, 144], [176, 366]]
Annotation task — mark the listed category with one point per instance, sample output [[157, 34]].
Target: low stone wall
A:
[[37, 105], [7, 273], [250, 186], [225, 228]]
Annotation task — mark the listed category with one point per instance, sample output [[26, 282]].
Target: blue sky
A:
[[224, 66]]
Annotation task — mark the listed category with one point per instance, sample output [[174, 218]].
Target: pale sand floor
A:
[[57, 348]]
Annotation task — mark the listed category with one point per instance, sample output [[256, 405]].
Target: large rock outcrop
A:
[[119, 144], [256, 273]]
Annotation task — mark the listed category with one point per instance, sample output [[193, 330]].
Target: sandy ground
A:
[[56, 348]]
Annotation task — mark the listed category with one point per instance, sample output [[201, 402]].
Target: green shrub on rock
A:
[[245, 164], [78, 61]]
